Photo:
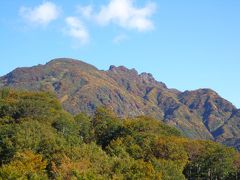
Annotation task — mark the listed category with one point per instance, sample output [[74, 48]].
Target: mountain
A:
[[80, 87]]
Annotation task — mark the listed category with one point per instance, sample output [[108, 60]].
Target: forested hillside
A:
[[39, 140]]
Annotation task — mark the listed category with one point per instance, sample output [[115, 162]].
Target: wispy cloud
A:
[[76, 30], [85, 11], [119, 38], [123, 13], [40, 15]]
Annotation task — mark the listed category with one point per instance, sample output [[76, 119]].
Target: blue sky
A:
[[186, 44]]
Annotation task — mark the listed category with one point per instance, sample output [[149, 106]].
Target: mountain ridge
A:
[[81, 87]]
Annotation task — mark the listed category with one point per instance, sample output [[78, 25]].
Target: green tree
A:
[[106, 126], [25, 165], [86, 130], [210, 161]]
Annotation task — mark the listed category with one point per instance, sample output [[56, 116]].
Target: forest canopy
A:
[[39, 140]]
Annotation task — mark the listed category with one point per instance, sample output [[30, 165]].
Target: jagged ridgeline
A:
[[80, 87], [40, 140]]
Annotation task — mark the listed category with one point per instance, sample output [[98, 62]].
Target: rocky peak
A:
[[147, 77], [122, 69]]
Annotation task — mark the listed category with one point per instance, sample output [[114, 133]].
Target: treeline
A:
[[39, 140]]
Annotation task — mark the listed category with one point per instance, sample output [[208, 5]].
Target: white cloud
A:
[[123, 13], [119, 38], [40, 15], [77, 30], [126, 15]]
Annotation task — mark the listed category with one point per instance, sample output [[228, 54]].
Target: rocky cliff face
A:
[[81, 87]]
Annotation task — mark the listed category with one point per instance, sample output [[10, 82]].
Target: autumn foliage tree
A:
[[39, 140]]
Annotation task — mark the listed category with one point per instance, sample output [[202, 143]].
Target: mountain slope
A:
[[82, 87]]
